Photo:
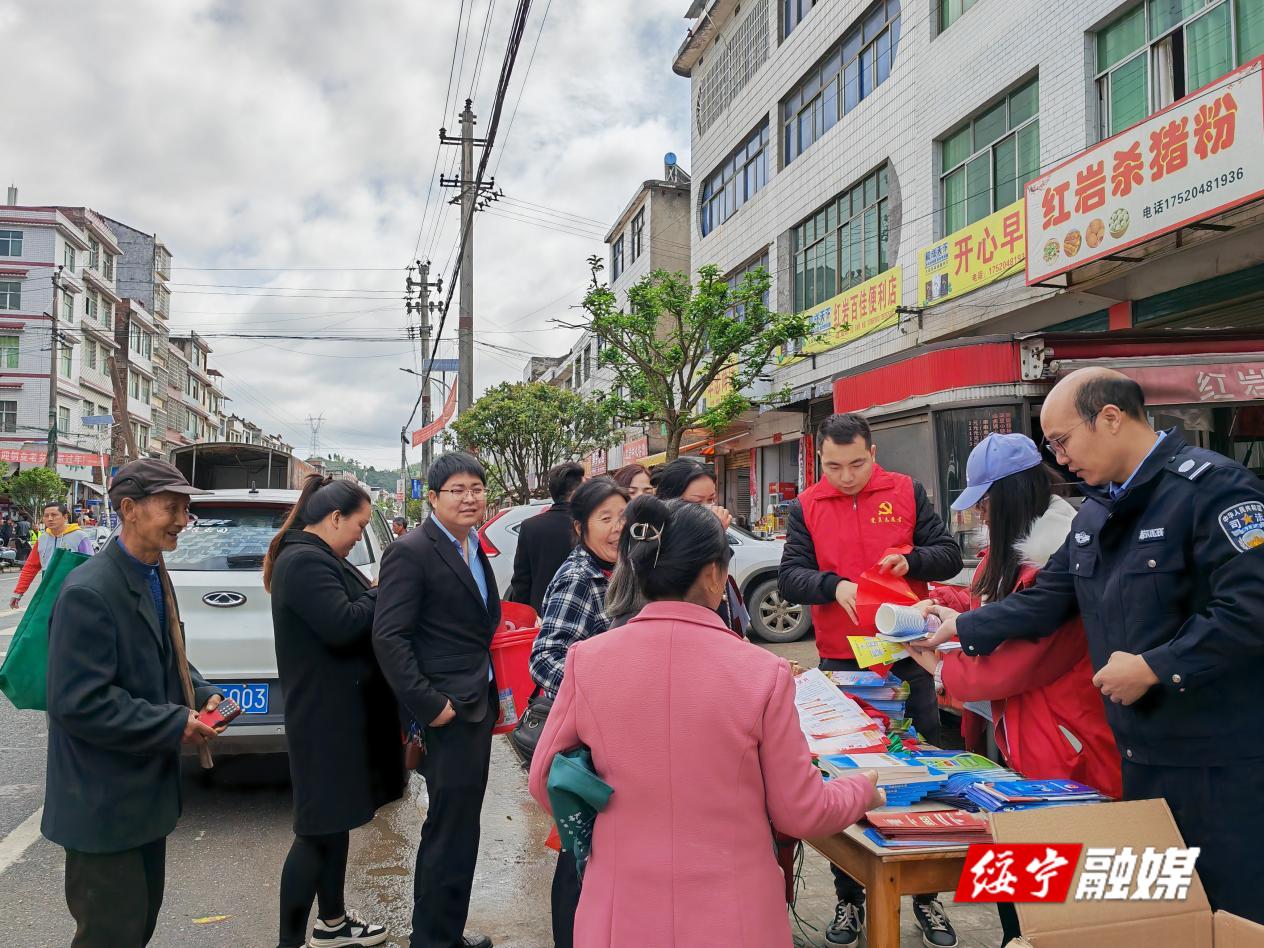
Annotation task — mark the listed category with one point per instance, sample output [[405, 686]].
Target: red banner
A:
[[69, 458], [635, 450], [422, 435]]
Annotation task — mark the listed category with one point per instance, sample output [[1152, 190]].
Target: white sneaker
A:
[[353, 930]]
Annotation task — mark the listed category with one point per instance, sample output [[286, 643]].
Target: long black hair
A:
[[321, 496], [1015, 503], [674, 478], [670, 543]]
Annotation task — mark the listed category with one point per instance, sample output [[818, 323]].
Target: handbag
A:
[[526, 733]]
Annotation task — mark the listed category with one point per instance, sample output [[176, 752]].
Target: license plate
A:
[[252, 696]]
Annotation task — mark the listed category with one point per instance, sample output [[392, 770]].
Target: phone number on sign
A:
[[1190, 193]]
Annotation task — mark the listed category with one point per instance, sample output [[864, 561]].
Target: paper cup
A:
[[899, 620]]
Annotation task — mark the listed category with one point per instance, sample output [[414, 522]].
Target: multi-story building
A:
[[961, 198], [55, 260], [196, 399], [651, 233]]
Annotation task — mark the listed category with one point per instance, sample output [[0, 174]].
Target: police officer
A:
[[1165, 563]]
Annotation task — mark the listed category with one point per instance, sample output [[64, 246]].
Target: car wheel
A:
[[773, 618]]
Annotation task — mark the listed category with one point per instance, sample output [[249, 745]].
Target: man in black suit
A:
[[437, 610], [546, 540], [117, 716]]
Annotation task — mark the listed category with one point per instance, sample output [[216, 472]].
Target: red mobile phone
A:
[[221, 714]]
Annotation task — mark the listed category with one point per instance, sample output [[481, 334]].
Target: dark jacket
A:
[[1171, 570], [337, 703], [116, 712], [544, 543], [432, 632]]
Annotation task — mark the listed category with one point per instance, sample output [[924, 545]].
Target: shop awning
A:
[[1190, 379]]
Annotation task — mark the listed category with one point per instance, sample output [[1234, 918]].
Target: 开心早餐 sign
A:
[[1196, 158], [865, 308], [974, 256]]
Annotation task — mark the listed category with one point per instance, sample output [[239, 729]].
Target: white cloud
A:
[[300, 135]]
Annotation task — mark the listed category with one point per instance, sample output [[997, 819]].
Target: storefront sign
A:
[[849, 315], [68, 458], [719, 388], [1206, 383], [598, 461], [807, 461], [986, 251], [1196, 158], [635, 449], [753, 480]]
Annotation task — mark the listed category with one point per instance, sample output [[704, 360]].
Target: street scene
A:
[[787, 474]]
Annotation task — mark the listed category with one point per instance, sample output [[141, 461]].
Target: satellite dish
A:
[[669, 159]]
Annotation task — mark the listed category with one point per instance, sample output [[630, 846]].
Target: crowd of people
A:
[[1109, 643]]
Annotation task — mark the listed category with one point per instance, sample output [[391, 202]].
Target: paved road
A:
[[224, 859]]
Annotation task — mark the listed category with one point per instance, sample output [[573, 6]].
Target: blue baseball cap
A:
[[996, 456]]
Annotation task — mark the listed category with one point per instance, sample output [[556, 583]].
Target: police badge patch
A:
[[1243, 524]]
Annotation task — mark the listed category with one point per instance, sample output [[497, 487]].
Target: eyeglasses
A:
[[1057, 445], [460, 493]]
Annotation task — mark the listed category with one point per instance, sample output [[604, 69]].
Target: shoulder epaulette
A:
[[1192, 463]]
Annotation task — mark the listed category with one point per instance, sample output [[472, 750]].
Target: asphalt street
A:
[[224, 859]]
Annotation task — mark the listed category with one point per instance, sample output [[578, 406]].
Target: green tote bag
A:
[[24, 674]]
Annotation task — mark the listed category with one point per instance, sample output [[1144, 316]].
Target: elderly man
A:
[[1165, 563], [117, 716]]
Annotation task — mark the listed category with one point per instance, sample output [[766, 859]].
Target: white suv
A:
[[754, 566], [217, 571]]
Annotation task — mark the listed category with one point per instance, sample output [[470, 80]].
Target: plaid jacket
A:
[[574, 609]]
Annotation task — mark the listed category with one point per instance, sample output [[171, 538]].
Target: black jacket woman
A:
[[341, 722]]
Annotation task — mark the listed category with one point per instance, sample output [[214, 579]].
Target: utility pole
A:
[[50, 456], [468, 199]]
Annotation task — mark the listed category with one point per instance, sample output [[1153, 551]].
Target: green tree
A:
[[35, 488], [677, 340], [521, 428]]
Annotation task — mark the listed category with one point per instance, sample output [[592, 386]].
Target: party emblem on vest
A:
[[886, 514], [1082, 538], [1243, 524]]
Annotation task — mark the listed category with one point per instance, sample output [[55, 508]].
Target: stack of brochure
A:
[[927, 828], [1028, 794], [832, 722], [888, 693], [905, 781]]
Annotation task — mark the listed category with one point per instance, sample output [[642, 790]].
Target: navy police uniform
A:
[[1172, 568]]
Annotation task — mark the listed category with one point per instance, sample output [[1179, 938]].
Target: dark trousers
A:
[[455, 767], [114, 898], [564, 900], [1217, 810], [922, 707], [316, 868]]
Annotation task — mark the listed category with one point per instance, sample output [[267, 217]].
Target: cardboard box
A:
[[1102, 924]]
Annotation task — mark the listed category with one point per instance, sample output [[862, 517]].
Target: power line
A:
[[525, 76]]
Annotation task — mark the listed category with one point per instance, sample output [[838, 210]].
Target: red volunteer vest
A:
[[850, 535]]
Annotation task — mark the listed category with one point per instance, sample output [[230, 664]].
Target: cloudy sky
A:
[[285, 152]]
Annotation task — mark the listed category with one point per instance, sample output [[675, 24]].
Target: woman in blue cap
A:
[[1049, 719]]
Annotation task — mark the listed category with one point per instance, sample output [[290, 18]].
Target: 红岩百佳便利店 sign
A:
[[974, 256], [865, 308], [1195, 159]]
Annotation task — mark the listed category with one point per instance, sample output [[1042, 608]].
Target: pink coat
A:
[[697, 733]]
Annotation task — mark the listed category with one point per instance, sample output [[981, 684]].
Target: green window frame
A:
[[9, 351], [844, 243], [1159, 51], [986, 164], [950, 11]]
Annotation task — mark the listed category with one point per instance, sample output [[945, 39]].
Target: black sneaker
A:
[[937, 931], [353, 931], [474, 940], [849, 922]]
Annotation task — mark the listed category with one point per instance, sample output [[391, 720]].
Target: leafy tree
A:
[[35, 488], [521, 428], [676, 341]]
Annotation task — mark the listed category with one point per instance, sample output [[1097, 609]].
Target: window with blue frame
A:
[[740, 175]]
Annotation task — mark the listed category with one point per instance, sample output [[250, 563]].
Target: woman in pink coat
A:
[[697, 733]]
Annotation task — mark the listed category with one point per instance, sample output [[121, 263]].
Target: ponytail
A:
[[670, 543], [320, 497]]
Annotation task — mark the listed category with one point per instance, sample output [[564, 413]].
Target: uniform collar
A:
[[880, 479], [1172, 444]]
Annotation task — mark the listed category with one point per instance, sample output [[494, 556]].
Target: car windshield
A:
[[235, 536]]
